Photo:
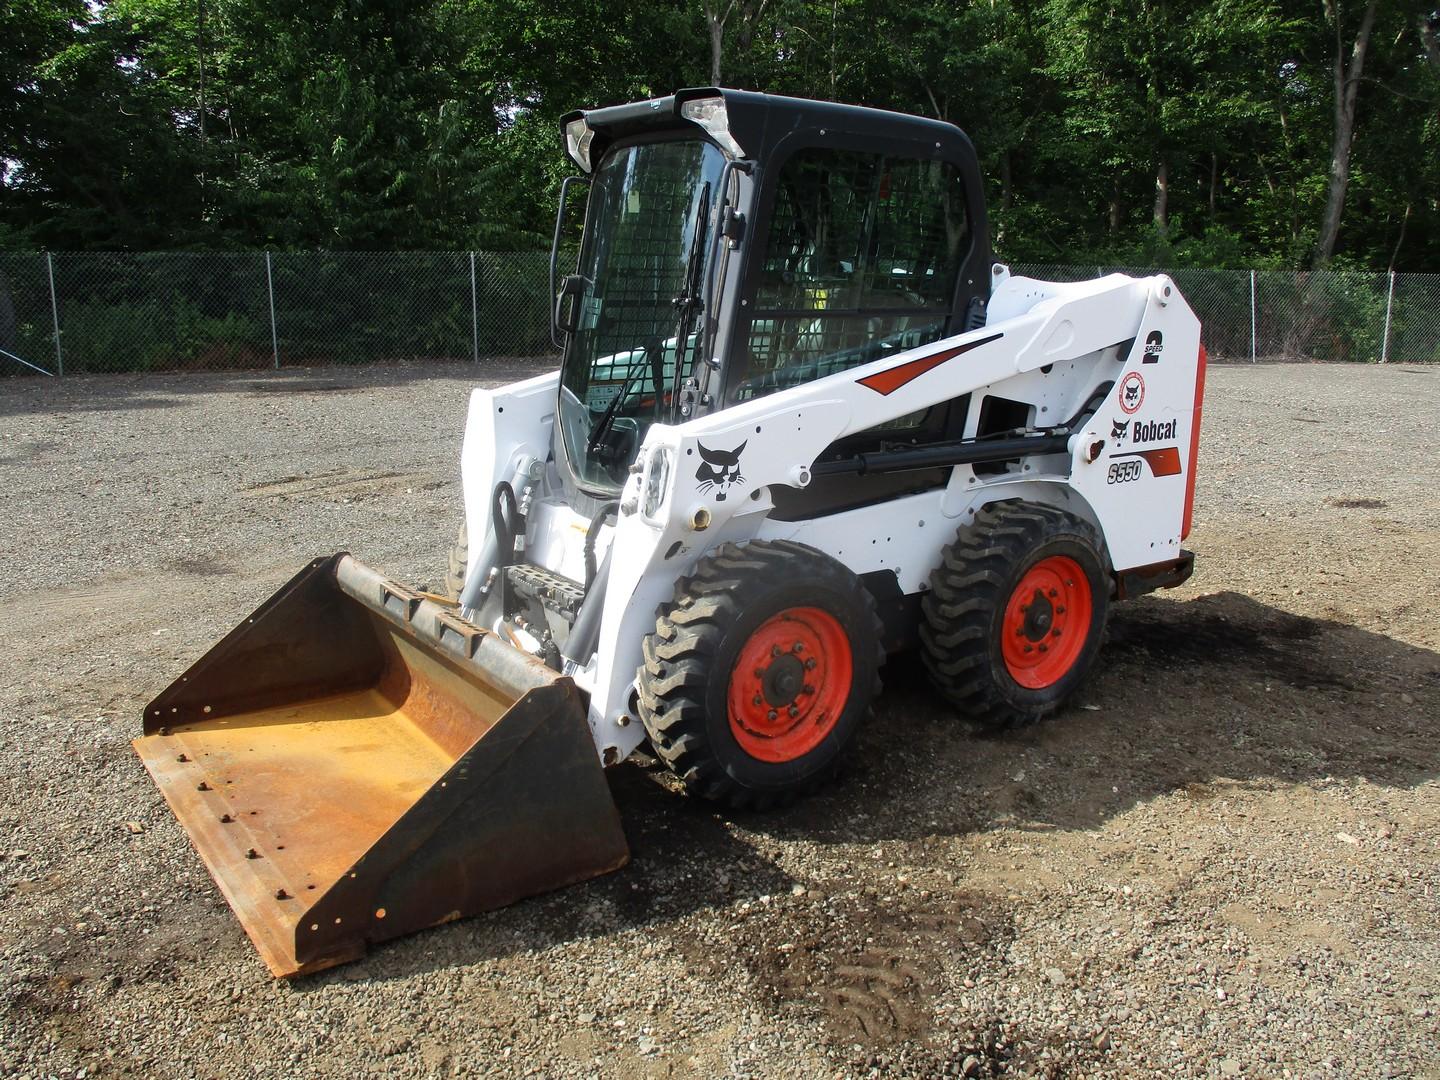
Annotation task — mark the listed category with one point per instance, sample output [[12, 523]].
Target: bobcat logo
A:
[[719, 469], [1118, 428], [1132, 393]]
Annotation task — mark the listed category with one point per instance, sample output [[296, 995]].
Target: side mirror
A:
[[567, 316], [555, 327]]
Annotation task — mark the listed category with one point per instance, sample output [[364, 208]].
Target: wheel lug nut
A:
[[1059, 611], [759, 673], [810, 664], [1053, 594], [1044, 648], [794, 711], [771, 715], [758, 700], [1029, 648], [774, 650], [799, 646], [1054, 633], [807, 689]]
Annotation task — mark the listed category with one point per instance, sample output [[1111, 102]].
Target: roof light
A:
[[578, 137], [710, 114]]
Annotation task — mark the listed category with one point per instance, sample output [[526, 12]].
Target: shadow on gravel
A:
[[685, 858], [1185, 693]]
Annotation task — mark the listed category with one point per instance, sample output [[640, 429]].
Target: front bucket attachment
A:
[[354, 762]]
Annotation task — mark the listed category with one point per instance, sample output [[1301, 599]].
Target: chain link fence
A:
[[68, 313], [1300, 315]]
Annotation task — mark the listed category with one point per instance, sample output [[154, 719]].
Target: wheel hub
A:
[[784, 680], [791, 681], [1039, 615], [1046, 622]]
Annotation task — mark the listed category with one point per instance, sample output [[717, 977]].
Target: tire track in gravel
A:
[[870, 968]]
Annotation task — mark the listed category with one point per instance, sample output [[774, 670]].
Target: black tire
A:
[[737, 599], [459, 560], [964, 615]]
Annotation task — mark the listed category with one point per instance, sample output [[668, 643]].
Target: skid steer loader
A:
[[801, 421]]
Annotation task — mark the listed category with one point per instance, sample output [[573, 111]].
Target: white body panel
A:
[[1048, 345], [505, 431]]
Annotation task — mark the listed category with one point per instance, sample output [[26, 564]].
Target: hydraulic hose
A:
[[607, 510], [583, 636], [504, 517]]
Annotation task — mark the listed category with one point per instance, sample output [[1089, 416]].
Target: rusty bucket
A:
[[355, 762]]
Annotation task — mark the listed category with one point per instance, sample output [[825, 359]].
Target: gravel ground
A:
[[1223, 860]]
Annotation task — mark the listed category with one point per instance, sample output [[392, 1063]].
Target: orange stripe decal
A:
[[1194, 444], [887, 382], [1164, 461]]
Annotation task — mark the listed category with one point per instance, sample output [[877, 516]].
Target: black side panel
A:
[[899, 614], [832, 494]]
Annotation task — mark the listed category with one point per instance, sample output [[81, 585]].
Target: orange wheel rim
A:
[[790, 684], [1047, 621]]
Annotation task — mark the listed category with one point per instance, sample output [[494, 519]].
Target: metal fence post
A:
[[474, 314], [270, 287], [1389, 302], [55, 314], [1252, 316]]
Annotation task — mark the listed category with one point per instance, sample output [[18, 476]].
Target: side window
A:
[[860, 262]]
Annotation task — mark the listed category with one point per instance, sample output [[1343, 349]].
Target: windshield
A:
[[638, 321]]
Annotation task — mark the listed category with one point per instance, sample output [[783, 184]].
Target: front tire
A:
[[1016, 613], [759, 671], [459, 563]]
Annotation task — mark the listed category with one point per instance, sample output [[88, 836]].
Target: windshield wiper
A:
[[689, 301], [602, 425]]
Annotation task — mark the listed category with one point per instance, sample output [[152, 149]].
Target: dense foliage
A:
[[1285, 133]]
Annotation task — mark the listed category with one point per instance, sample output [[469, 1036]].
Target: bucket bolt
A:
[[252, 854], [226, 819], [281, 894]]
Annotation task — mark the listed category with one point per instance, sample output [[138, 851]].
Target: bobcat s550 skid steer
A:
[[801, 421]]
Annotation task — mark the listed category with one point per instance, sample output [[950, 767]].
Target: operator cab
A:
[[737, 244]]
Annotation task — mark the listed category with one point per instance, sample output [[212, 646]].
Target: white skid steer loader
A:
[[801, 421]]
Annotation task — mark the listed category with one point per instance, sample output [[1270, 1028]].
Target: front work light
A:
[[657, 480], [710, 114], [578, 137]]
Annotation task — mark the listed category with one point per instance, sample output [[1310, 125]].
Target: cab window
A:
[[861, 261]]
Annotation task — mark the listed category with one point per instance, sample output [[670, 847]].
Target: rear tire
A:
[[1016, 613], [459, 562], [759, 671]]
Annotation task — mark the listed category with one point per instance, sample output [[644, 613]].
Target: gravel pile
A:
[[1223, 861]]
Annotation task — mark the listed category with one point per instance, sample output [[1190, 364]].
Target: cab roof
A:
[[758, 122]]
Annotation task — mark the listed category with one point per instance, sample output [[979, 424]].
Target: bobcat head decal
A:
[[1118, 429], [719, 469], [1132, 393]]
